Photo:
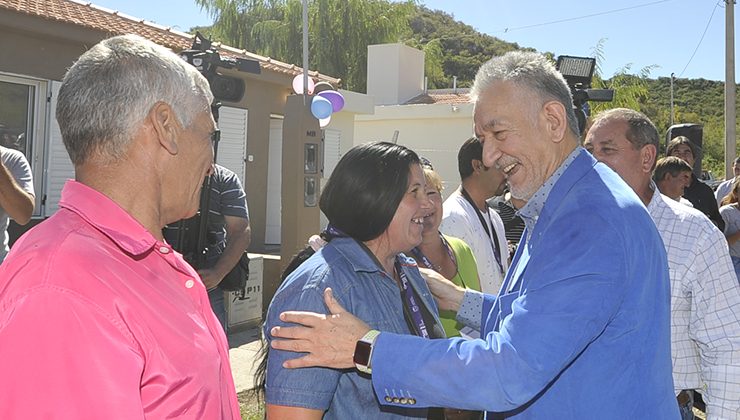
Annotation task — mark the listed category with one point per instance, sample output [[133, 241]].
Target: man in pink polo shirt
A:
[[99, 318]]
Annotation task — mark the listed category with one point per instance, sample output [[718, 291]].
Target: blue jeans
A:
[[218, 305], [686, 409], [736, 264]]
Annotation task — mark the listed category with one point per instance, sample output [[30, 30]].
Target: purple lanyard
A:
[[426, 261], [410, 302]]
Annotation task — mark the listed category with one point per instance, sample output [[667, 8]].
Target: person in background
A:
[[16, 193], [228, 235], [99, 317], [699, 193], [705, 298], [507, 206], [447, 255], [730, 212], [576, 332], [376, 203], [672, 175], [726, 186], [467, 215]]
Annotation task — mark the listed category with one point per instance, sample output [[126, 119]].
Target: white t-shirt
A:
[[460, 220]]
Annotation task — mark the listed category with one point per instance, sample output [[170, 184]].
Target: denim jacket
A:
[[366, 291]]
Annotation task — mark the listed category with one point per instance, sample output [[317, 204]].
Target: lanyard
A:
[[410, 302], [426, 262], [493, 237]]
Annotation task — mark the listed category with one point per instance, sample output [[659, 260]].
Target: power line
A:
[[506, 30], [701, 39]]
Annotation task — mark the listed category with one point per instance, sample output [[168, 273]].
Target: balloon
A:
[[324, 121], [298, 84], [322, 86], [320, 107], [336, 99]]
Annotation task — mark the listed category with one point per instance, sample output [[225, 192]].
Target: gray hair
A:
[[641, 131], [111, 88], [529, 70]]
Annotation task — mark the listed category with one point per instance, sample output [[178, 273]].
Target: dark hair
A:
[[471, 149], [677, 141], [360, 200], [670, 165], [366, 187]]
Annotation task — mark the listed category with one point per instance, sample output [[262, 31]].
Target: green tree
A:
[[339, 31]]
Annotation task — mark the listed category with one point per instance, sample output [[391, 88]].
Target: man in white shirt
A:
[[705, 297], [726, 186], [466, 215]]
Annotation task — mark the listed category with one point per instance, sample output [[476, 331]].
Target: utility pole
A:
[[673, 115], [730, 117]]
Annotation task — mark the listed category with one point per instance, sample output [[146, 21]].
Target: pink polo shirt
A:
[[99, 320]]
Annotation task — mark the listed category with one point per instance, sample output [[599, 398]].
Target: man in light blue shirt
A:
[[581, 326]]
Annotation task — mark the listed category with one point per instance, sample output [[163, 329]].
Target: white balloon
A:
[[298, 84], [323, 122]]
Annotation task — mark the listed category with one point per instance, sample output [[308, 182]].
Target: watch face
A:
[[362, 353]]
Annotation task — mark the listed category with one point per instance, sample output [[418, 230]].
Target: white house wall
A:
[[435, 132]]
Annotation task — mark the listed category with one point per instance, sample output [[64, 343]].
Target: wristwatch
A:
[[364, 351]]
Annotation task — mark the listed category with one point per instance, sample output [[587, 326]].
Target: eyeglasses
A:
[[426, 163], [215, 137]]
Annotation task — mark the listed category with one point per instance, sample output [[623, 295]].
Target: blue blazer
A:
[[579, 330]]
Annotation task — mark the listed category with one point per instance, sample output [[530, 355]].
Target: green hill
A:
[[456, 49]]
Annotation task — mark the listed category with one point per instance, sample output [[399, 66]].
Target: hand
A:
[[447, 294], [329, 340], [210, 278]]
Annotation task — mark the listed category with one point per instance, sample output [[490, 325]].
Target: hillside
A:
[[463, 49]]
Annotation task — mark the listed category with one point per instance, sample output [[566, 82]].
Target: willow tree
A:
[[339, 31]]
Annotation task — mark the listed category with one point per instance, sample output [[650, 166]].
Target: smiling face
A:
[[434, 217], [512, 125], [405, 229]]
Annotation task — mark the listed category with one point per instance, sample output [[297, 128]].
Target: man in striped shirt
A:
[[705, 297], [227, 238]]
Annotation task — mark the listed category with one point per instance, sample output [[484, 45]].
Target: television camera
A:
[[578, 73], [191, 234], [207, 60]]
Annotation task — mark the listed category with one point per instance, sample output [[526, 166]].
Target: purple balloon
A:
[[336, 99]]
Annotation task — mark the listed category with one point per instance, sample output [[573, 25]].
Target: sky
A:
[[683, 37]]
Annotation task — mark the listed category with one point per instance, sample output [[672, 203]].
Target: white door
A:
[[59, 165], [274, 180], [232, 148]]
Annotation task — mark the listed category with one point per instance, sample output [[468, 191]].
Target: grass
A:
[[250, 407]]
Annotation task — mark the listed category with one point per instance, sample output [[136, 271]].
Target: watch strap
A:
[[364, 351]]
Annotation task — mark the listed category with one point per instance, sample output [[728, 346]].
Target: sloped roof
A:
[[88, 15], [441, 96]]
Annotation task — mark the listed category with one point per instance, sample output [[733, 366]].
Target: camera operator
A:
[[228, 235]]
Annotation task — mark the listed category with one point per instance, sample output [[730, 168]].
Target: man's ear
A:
[[477, 165], [648, 153], [165, 125], [556, 121]]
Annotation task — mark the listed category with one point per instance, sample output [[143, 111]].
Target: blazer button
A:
[[396, 400], [404, 400], [412, 401], [388, 399]]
